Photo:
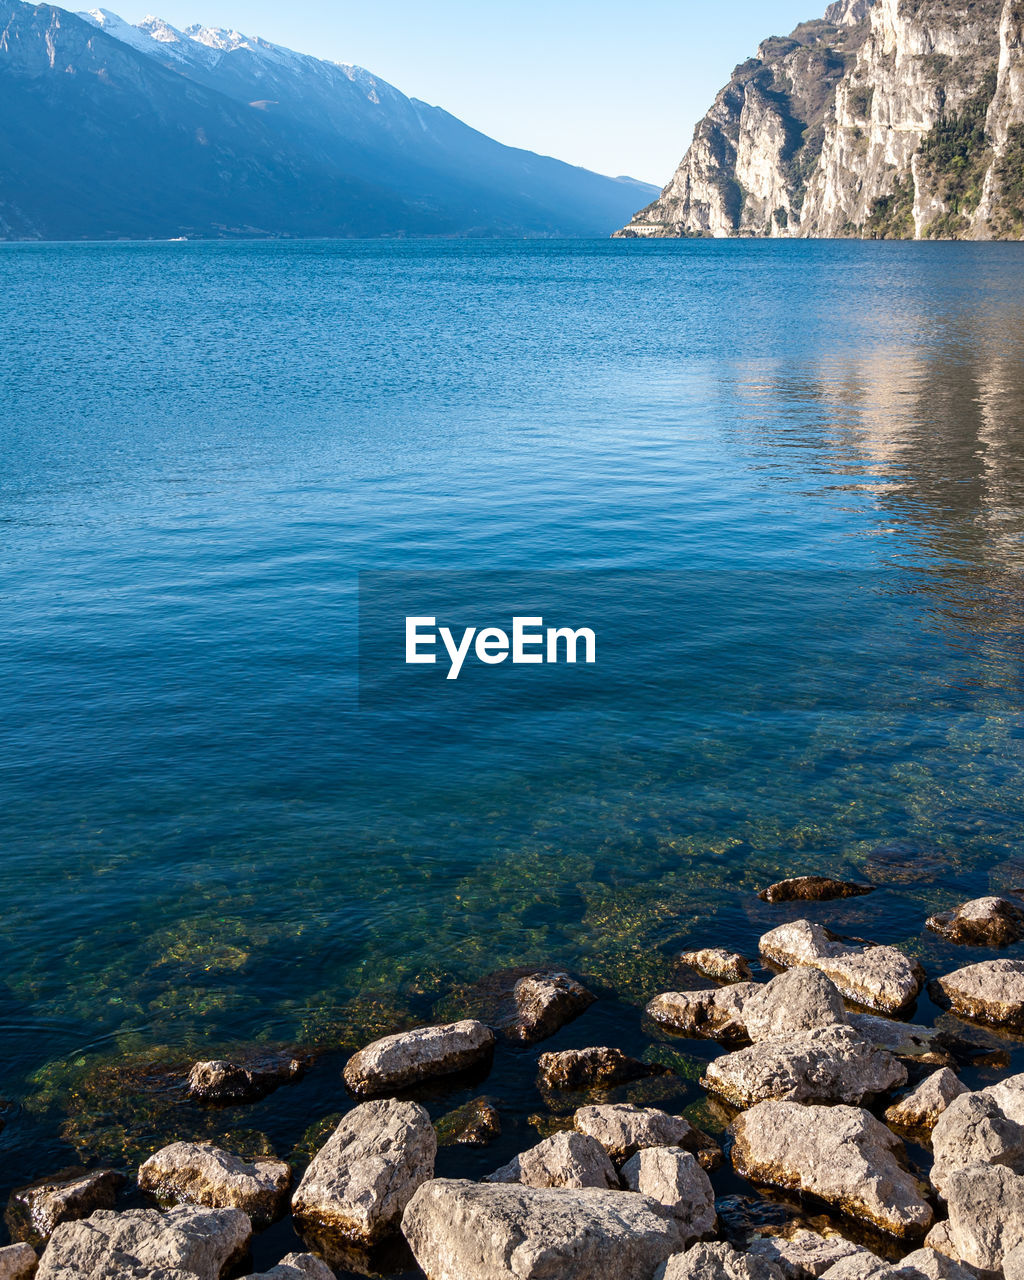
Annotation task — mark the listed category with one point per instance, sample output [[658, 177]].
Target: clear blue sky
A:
[[617, 87]]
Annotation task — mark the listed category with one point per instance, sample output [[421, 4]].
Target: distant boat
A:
[[177, 239]]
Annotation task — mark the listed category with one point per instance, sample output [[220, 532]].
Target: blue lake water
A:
[[783, 481]]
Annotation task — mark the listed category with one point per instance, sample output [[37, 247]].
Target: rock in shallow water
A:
[[711, 1015], [982, 1127], [717, 1262], [181, 1244], [575, 1069], [33, 1212], [474, 1124], [17, 1262], [831, 1064], [879, 978], [221, 1081], [803, 1254], [467, 1231], [813, 889], [797, 1000], [296, 1266], [203, 1174], [992, 992], [359, 1182], [982, 922], [673, 1178], [713, 962], [623, 1130], [398, 1061], [566, 1159], [545, 1003], [841, 1154], [921, 1108]]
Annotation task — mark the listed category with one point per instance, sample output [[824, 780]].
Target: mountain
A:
[[901, 119], [118, 131]]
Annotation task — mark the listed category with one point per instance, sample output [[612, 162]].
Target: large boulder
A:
[[983, 1127], [673, 1178], [576, 1069], [183, 1244], [716, 1014], [34, 1212], [840, 1154], [879, 978], [804, 1254], [797, 1000], [220, 1081], [358, 1184], [992, 992], [831, 1064], [813, 889], [398, 1061], [18, 1262], [544, 1003], [472, 1231], [982, 922], [921, 1107], [717, 1262], [566, 1159], [715, 962], [986, 1214], [927, 1264], [204, 1174], [623, 1130], [296, 1266]]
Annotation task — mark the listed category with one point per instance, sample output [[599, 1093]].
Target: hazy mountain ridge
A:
[[116, 131], [898, 119]]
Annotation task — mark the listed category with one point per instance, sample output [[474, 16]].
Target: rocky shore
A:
[[862, 1153]]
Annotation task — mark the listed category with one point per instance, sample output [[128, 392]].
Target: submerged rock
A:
[[17, 1262], [566, 1159], [831, 1064], [545, 1003], [296, 1266], [714, 962], [146, 1243], [840, 1154], [879, 978], [982, 922], [711, 1015], [467, 1231], [397, 1061], [797, 1000], [717, 1262], [474, 1124], [983, 1127], [623, 1130], [575, 1069], [358, 1184], [203, 1174], [673, 1178], [221, 1081], [813, 889], [992, 992], [903, 1039], [804, 1254], [921, 1108], [34, 1212]]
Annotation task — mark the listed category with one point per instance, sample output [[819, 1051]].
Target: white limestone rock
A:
[[991, 992], [18, 1262], [717, 1262], [716, 1014], [623, 1130], [921, 1108], [673, 1178], [804, 1254], [797, 1000], [982, 1127], [567, 1159], [203, 1174], [398, 1061]]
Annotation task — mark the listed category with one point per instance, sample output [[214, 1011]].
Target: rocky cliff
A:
[[898, 119]]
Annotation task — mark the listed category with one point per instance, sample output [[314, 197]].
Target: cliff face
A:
[[898, 119]]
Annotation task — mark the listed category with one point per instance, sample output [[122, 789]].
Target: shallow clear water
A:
[[785, 481]]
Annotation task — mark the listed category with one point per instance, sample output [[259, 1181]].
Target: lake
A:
[[782, 482]]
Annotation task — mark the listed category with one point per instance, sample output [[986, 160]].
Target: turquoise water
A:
[[786, 480]]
